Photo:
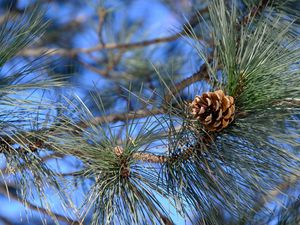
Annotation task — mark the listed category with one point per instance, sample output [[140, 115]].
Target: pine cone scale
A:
[[213, 110]]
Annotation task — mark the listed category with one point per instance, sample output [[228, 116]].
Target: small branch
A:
[[55, 155], [202, 74], [183, 156], [146, 157], [276, 191], [5, 221], [149, 157], [73, 52], [165, 219], [153, 158], [37, 208], [101, 72], [121, 117], [270, 195], [255, 11], [101, 15], [291, 102]]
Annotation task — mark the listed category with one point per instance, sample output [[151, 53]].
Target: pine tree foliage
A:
[[290, 214], [254, 59], [120, 181], [135, 165], [23, 112]]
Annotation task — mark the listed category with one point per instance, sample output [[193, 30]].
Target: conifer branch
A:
[[110, 46], [254, 11], [201, 74], [29, 205], [208, 176], [270, 195], [97, 48], [121, 117], [5, 221]]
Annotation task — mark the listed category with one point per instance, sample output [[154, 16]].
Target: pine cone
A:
[[214, 110]]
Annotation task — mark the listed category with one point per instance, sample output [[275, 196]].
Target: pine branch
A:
[[202, 74], [121, 117], [270, 195], [110, 46], [6, 221], [122, 178], [255, 11], [12, 195], [97, 48]]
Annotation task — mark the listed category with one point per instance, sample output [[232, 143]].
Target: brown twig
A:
[[73, 52], [153, 158], [97, 48], [255, 11], [270, 195], [150, 157], [29, 205], [101, 72], [201, 74], [290, 102], [122, 117], [101, 15], [6, 221], [276, 191]]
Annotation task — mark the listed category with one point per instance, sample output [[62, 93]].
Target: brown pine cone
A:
[[214, 110]]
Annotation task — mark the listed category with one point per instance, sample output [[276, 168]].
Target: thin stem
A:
[[31, 206], [5, 221], [122, 117], [74, 52], [272, 194], [276, 191], [96, 48], [201, 74]]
